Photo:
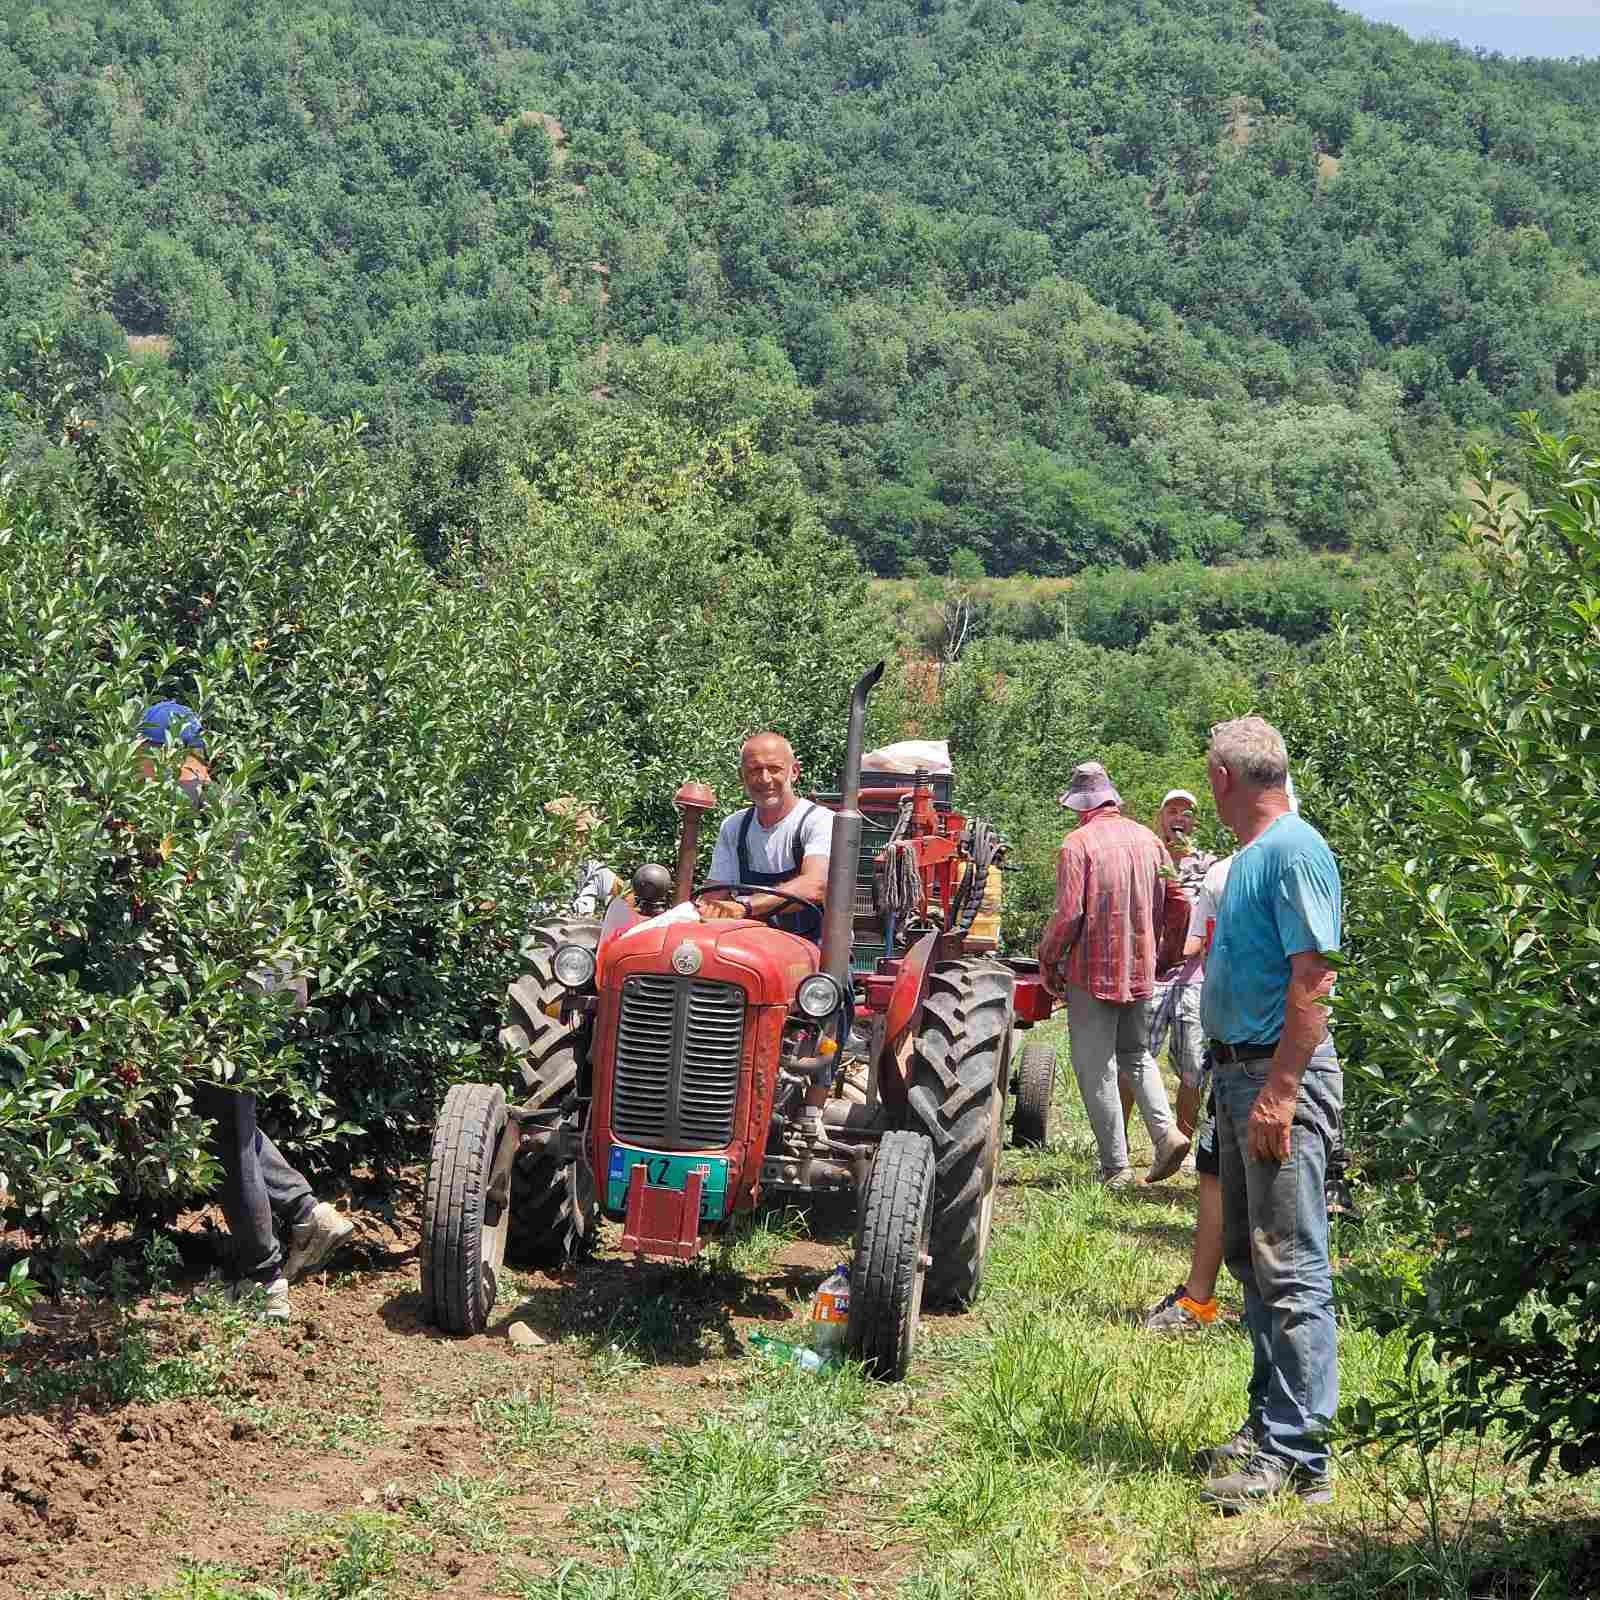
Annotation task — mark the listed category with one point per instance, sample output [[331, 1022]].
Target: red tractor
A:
[[666, 1064]]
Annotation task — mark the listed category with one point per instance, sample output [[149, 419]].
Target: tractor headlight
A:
[[818, 996], [573, 965]]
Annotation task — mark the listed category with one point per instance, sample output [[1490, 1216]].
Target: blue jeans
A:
[[1275, 1242]]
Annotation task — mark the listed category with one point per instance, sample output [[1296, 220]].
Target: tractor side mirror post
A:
[[693, 800]]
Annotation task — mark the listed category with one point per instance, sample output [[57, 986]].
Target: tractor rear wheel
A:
[[891, 1259], [530, 1035], [959, 1069], [1036, 1087], [552, 1203], [463, 1230]]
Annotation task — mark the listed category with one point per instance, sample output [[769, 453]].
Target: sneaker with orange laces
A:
[[1180, 1312]]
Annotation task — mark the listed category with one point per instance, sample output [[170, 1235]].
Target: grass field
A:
[[1038, 1452]]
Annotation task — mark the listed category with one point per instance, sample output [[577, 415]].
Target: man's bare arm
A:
[[1305, 1026]]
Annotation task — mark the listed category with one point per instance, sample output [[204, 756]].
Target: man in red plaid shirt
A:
[[1099, 953]]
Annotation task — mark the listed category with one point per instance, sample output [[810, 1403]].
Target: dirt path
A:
[[281, 1441]]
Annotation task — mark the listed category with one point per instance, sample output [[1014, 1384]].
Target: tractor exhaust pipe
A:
[[838, 913]]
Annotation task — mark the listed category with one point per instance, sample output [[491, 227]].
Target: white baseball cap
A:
[[1179, 794]]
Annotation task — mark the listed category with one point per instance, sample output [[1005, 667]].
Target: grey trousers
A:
[[257, 1183], [1111, 1041]]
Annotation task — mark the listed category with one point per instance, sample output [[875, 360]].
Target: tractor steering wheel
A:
[[762, 888]]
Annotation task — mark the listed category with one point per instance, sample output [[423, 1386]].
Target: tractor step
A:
[[661, 1221]]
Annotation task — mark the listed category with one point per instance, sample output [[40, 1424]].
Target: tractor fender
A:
[[900, 1019]]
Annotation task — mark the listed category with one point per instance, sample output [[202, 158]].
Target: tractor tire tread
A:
[[959, 1055], [549, 1224], [883, 1304], [1036, 1082], [454, 1293]]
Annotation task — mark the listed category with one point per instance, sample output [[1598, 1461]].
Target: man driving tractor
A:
[[780, 841]]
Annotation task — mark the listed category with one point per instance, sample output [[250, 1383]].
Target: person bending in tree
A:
[[594, 884], [258, 1184]]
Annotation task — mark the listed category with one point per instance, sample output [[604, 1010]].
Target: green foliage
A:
[[1063, 286], [1448, 748], [1294, 600], [382, 739]]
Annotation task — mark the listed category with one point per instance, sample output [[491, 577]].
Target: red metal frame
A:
[[769, 965], [935, 834]]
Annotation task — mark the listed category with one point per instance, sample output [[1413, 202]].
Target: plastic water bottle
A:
[[795, 1354], [830, 1314]]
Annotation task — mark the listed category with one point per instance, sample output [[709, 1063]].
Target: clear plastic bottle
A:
[[830, 1314], [795, 1354]]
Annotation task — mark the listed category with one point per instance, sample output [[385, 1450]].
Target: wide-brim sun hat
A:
[[1089, 789]]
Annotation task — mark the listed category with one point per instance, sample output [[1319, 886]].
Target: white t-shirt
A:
[[772, 849], [1209, 898]]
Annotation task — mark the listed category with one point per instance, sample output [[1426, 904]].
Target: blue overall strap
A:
[[808, 924]]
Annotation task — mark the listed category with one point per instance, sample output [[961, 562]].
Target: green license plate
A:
[[668, 1172]]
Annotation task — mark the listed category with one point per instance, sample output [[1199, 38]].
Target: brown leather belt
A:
[[1227, 1054]]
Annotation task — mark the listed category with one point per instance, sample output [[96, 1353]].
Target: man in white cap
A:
[[1099, 952]]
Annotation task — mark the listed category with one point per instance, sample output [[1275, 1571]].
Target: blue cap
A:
[[167, 718]]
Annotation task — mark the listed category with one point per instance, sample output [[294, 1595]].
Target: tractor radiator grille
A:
[[679, 1044]]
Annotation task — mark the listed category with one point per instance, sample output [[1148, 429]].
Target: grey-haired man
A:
[[1279, 1098]]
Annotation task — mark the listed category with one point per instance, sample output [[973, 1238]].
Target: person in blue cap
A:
[[258, 1184]]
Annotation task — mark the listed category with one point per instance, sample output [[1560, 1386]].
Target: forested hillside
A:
[[1055, 283]]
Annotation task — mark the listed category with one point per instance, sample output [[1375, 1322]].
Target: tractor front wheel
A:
[[1036, 1087], [891, 1260], [959, 1070], [463, 1230]]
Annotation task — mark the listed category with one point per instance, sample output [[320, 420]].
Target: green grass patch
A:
[[1056, 1460], [719, 1496]]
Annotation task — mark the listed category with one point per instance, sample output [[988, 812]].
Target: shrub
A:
[[1448, 748], [383, 740]]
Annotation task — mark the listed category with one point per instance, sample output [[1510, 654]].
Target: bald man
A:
[[778, 841]]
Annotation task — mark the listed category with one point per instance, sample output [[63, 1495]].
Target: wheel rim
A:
[[924, 1239], [492, 1241], [991, 1174]]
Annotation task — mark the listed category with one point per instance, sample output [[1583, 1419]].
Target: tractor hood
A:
[[768, 964]]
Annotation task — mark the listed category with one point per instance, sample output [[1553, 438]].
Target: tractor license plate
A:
[[668, 1172]]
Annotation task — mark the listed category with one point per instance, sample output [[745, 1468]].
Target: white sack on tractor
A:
[[909, 754]]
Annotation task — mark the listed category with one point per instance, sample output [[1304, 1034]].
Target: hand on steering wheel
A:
[[715, 910]]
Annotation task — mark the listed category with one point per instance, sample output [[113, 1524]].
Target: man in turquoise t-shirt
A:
[[1279, 1096]]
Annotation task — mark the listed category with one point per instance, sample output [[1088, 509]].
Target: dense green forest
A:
[[1056, 284]]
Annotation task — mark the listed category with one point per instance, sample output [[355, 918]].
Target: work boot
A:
[[1168, 1158], [311, 1241], [1235, 1451], [1180, 1312], [269, 1301], [1264, 1478]]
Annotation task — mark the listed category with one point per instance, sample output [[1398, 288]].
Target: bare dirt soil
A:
[[358, 1404]]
